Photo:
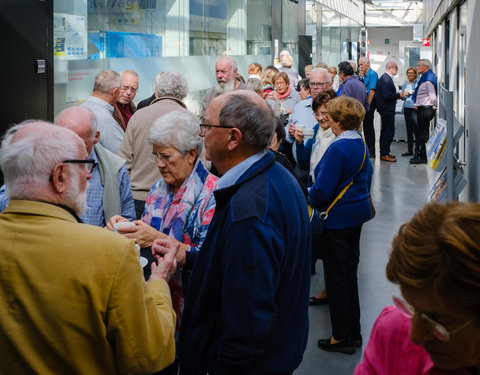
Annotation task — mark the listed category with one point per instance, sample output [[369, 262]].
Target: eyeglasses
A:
[[318, 84], [164, 158], [203, 127], [321, 114], [88, 165], [439, 330], [125, 88]]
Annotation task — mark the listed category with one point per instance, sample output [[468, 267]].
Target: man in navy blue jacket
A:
[[246, 311], [387, 96]]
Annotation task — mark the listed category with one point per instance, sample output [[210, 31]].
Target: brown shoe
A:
[[388, 158], [392, 156]]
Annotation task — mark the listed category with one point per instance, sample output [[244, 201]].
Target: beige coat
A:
[[136, 150], [73, 299]]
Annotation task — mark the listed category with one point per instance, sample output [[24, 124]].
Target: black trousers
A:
[[368, 128], [425, 114], [410, 115], [139, 207], [387, 132], [340, 257]]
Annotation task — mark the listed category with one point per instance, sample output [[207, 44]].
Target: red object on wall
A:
[[426, 42]]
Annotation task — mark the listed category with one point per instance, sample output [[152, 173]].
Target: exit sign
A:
[[426, 42], [387, 41]]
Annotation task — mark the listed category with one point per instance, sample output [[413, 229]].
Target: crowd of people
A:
[[227, 231]]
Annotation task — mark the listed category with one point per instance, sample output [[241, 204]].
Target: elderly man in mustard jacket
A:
[[72, 296]]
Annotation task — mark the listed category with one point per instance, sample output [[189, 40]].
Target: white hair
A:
[[390, 64], [177, 129], [426, 63], [171, 83], [322, 70], [229, 58], [29, 161], [366, 60]]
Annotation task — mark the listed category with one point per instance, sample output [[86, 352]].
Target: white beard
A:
[[75, 199], [223, 87]]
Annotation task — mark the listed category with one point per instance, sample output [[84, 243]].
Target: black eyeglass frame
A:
[[92, 163], [203, 126]]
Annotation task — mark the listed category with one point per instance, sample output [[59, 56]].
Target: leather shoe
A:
[[345, 346], [357, 340], [388, 158], [418, 160], [408, 153], [314, 301]]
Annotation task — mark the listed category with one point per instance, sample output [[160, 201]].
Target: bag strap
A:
[[324, 215]]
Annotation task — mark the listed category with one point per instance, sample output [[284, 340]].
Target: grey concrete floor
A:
[[398, 191]]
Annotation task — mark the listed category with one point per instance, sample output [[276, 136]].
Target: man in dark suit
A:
[[387, 96]]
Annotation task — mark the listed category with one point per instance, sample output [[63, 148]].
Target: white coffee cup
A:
[[308, 133], [118, 227], [138, 249], [299, 127]]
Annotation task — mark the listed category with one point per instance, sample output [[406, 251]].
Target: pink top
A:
[[389, 350], [426, 95]]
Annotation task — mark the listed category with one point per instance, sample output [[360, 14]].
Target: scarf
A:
[[427, 76], [322, 141], [284, 96]]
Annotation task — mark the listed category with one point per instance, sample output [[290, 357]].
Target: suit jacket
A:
[[386, 94], [73, 299]]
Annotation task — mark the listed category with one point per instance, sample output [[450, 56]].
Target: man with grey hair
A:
[[108, 192], [170, 88], [104, 96], [425, 101], [370, 79], [320, 81], [246, 310], [226, 69], [74, 300], [387, 96], [124, 108]]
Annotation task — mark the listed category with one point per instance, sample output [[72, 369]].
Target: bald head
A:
[[83, 122]]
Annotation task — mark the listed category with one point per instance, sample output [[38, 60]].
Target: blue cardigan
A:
[[335, 170], [246, 311]]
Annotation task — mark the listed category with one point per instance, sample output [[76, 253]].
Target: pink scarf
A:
[[284, 96]]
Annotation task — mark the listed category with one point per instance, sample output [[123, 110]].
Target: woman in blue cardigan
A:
[[345, 159]]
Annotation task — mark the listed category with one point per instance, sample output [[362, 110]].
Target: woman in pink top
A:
[[435, 327]]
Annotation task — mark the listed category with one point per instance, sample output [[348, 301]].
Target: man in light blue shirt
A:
[[370, 78], [109, 192], [320, 81]]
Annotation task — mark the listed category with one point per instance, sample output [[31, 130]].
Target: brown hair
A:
[[254, 68], [438, 251], [411, 68], [281, 75], [322, 99], [268, 74], [348, 111]]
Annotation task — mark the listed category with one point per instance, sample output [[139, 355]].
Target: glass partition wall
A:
[[151, 36]]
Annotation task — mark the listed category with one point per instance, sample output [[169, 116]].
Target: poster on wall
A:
[[70, 36]]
